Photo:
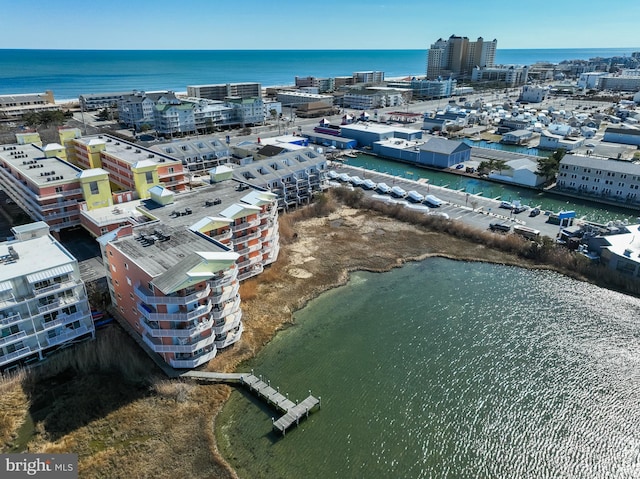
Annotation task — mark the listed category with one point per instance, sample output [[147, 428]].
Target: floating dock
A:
[[292, 412]]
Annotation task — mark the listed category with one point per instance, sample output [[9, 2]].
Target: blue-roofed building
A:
[[443, 153]]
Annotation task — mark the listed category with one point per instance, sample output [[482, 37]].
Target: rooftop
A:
[[31, 162], [128, 152], [33, 255]]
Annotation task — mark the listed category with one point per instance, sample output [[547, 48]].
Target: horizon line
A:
[[286, 49]]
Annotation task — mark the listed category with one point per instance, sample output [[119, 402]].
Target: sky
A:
[[318, 25]]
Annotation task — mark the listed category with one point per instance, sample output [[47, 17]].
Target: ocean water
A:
[[445, 369], [70, 73]]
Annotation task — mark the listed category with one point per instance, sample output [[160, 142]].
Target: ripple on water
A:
[[451, 369]]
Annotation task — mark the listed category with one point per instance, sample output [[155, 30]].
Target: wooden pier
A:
[[292, 412]]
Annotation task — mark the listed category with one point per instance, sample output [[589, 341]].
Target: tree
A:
[[548, 167]]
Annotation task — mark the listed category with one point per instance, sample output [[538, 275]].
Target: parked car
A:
[[500, 226], [519, 209], [506, 205], [534, 212]]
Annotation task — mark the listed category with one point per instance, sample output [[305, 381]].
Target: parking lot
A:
[[471, 209]]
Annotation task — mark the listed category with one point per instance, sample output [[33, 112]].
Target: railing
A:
[[230, 339], [249, 249], [185, 317], [61, 321], [67, 335], [60, 204], [226, 278], [248, 237], [55, 287], [15, 355], [230, 292], [14, 318], [245, 225], [257, 269], [13, 337], [252, 260], [195, 361], [223, 236], [231, 322], [147, 296], [178, 348], [58, 303], [157, 332], [227, 310]]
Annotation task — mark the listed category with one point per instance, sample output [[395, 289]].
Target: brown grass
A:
[[13, 404], [104, 400]]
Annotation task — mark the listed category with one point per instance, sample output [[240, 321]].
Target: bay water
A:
[[446, 369]]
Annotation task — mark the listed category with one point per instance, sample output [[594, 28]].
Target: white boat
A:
[[383, 188], [419, 208], [369, 184], [350, 154], [398, 192], [414, 196], [432, 201], [356, 180]]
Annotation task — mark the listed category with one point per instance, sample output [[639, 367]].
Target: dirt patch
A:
[[167, 428]]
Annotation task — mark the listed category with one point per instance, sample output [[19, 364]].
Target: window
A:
[[149, 177], [113, 267], [126, 266], [128, 281], [93, 187]]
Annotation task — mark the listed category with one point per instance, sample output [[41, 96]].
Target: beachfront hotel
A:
[[43, 301], [457, 57]]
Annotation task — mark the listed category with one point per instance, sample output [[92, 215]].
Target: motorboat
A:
[[356, 180], [398, 192], [432, 201], [369, 185], [415, 197], [383, 188]]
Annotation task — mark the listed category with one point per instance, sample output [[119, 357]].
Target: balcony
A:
[[57, 303], [146, 295], [68, 335], [248, 237], [61, 320], [12, 338], [230, 338], [227, 293], [249, 249], [185, 317], [188, 347], [224, 279], [223, 236], [230, 322], [229, 308], [194, 361], [55, 287], [257, 269], [20, 353], [154, 330], [251, 261], [11, 319], [243, 226]]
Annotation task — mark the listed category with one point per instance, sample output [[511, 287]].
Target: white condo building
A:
[[43, 301]]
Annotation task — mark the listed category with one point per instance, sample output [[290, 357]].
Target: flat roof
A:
[[31, 162], [160, 256], [378, 128], [129, 152], [34, 255], [199, 201]]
